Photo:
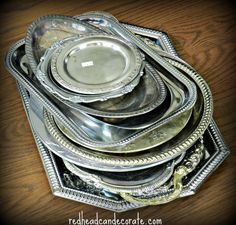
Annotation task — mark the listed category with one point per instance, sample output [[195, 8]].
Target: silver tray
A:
[[66, 96], [63, 184]]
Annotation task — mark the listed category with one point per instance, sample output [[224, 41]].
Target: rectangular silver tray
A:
[[65, 185]]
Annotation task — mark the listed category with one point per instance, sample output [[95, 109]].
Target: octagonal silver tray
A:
[[65, 185]]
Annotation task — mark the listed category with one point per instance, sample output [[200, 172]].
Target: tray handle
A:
[[188, 165]]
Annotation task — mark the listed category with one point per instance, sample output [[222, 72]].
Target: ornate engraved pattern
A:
[[62, 95]]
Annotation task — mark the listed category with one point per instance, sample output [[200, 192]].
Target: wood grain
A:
[[203, 33]]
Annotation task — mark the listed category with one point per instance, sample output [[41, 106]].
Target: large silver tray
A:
[[12, 59], [63, 184]]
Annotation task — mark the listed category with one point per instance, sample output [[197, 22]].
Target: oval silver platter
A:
[[106, 132], [83, 66], [78, 155], [198, 131], [146, 96]]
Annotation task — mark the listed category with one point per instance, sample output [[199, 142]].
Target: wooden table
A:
[[203, 33]]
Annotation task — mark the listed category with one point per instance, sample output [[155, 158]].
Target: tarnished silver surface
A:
[[83, 65]]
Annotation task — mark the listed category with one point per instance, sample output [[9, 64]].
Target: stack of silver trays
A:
[[120, 121]]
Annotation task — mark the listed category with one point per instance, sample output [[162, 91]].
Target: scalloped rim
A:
[[127, 81]]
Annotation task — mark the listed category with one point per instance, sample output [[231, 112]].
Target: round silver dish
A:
[[55, 141], [95, 63], [44, 76]]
